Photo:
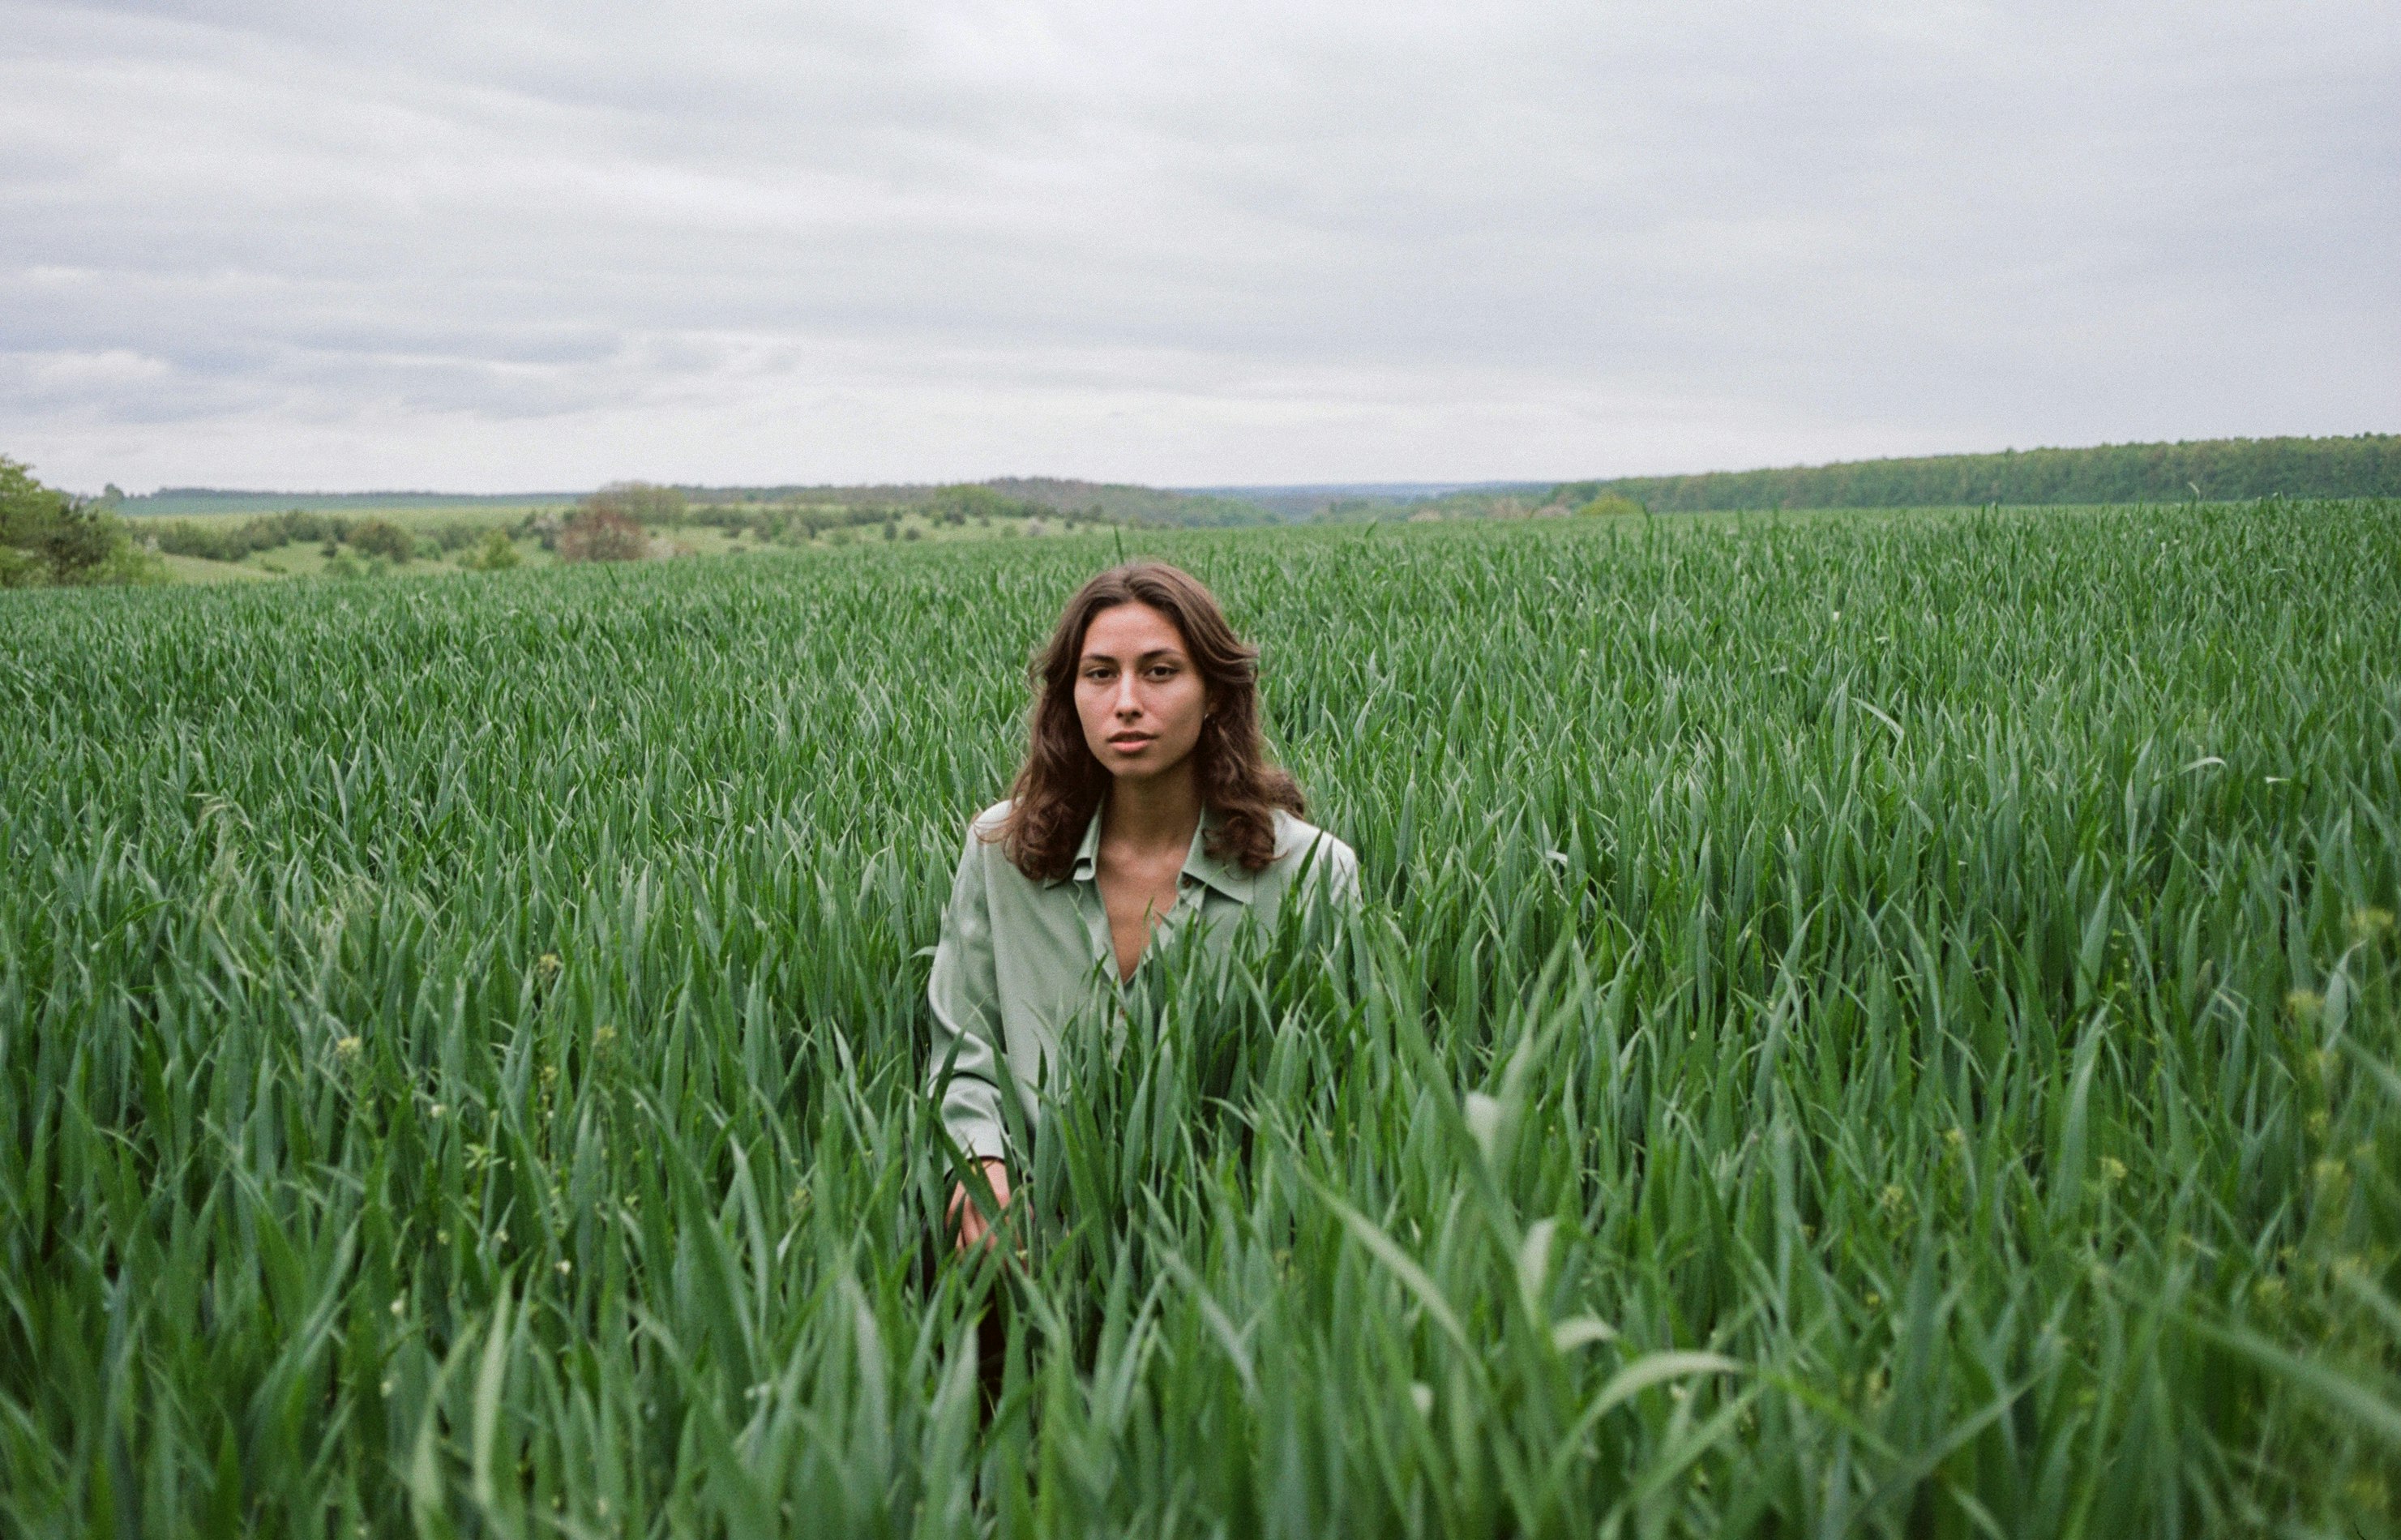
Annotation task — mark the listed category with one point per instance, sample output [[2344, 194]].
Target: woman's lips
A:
[[1131, 743]]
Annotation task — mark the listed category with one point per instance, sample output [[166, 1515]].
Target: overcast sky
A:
[[508, 246]]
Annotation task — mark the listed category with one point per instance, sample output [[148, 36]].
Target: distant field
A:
[[1861, 1025]]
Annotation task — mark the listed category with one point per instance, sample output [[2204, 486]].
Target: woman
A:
[[1147, 804]]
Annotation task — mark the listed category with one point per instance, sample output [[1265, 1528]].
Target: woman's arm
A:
[[965, 1065]]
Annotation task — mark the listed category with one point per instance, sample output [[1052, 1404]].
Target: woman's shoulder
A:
[[982, 850], [1299, 841]]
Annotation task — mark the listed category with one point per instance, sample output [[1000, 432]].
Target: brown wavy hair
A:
[[1060, 784]]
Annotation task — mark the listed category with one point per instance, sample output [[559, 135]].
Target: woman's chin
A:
[[1141, 768]]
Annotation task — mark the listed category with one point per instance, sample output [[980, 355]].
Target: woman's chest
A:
[[1057, 955], [1136, 892]]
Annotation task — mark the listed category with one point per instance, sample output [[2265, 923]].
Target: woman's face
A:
[[1137, 693]]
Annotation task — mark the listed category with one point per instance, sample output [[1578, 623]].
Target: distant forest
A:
[[2364, 465]]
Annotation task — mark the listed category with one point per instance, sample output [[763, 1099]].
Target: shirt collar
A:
[[1229, 878], [1087, 855]]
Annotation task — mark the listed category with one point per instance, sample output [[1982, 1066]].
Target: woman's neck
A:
[[1155, 812]]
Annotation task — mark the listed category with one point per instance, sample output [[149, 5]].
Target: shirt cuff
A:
[[979, 1136]]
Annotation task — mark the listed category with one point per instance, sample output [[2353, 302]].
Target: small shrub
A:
[[1610, 505], [494, 553], [598, 535], [380, 537]]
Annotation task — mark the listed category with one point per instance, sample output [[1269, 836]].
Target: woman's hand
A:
[[966, 1218]]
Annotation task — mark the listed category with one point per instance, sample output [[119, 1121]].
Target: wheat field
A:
[[1858, 1025]]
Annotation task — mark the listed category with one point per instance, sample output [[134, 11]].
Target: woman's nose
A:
[[1128, 703]]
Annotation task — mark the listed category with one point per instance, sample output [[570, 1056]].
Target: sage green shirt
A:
[[1020, 957]]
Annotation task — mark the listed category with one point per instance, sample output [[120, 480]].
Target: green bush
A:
[[1610, 505], [494, 553], [183, 537], [221, 541], [380, 537]]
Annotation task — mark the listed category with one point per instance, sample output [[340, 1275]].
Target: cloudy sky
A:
[[509, 246]]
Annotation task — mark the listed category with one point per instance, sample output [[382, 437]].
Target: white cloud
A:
[[507, 245]]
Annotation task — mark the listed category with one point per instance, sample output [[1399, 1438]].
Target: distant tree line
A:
[[370, 537], [654, 504], [794, 523], [48, 538], [193, 502], [233, 542], [1049, 498], [1115, 503], [614, 523], [2363, 465]]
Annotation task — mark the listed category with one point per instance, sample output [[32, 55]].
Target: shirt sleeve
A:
[[965, 1068], [1333, 873], [1341, 878]]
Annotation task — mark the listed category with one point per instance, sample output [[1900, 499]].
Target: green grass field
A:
[[1858, 1027]]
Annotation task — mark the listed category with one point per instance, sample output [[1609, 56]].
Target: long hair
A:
[[1060, 785]]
